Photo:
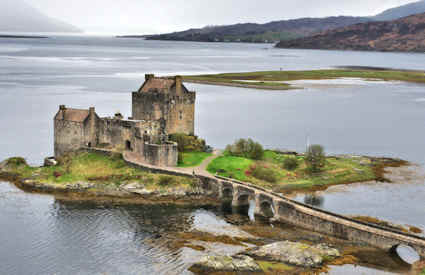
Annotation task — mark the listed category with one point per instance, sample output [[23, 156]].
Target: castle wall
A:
[[164, 155], [127, 134], [69, 136], [177, 110]]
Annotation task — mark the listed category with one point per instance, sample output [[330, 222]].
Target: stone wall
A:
[[178, 111], [163, 155], [69, 136], [128, 134]]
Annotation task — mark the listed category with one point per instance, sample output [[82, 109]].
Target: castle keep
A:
[[162, 106]]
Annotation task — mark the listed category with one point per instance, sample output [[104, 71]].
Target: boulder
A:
[[240, 263], [294, 253]]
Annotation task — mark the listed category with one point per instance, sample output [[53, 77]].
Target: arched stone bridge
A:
[[280, 208], [276, 206]]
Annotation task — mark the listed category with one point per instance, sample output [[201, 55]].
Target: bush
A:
[[290, 163], [187, 143], [165, 180], [315, 158], [263, 173], [246, 148], [18, 161]]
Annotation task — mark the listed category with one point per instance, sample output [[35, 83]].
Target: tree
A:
[[246, 148], [315, 158]]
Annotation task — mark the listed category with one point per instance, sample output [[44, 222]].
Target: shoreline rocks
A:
[[294, 253], [238, 263]]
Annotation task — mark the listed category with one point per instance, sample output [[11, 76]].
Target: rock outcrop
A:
[[240, 263], [293, 253]]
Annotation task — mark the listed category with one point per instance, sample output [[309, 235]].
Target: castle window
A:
[[181, 115]]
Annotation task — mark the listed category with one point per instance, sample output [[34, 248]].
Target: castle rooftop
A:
[[70, 114]]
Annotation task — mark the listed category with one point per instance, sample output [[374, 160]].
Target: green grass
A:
[[192, 159], [337, 171], [228, 166], [99, 169], [423, 272], [267, 79], [268, 267]]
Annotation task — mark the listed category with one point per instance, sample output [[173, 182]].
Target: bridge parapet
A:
[[299, 214]]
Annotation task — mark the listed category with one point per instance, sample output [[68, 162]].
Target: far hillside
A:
[[404, 35], [284, 29]]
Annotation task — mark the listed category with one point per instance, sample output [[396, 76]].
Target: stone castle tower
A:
[[162, 106], [168, 100]]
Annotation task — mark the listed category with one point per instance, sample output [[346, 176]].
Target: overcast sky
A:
[[153, 16]]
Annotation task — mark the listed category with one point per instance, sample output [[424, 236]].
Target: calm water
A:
[[51, 237]]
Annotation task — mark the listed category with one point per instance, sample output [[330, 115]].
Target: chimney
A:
[[149, 76], [179, 84]]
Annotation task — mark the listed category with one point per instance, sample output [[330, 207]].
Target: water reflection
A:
[[314, 200]]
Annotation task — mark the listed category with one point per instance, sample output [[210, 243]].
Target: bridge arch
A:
[[227, 193], [244, 198], [406, 253], [266, 209]]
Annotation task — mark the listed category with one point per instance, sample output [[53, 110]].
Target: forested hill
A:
[[405, 35], [269, 32], [285, 29]]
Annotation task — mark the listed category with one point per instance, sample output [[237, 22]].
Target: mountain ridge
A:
[[279, 30], [405, 35]]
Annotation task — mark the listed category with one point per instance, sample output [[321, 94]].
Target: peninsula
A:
[[280, 80]]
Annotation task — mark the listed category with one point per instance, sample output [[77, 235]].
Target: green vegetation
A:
[[290, 163], [276, 79], [94, 168], [423, 272], [246, 148], [270, 172], [274, 267], [315, 158], [188, 143], [192, 159], [231, 167]]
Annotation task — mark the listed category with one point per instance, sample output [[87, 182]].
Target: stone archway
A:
[[266, 209], [406, 253]]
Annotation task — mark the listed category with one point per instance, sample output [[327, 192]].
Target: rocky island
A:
[[154, 157]]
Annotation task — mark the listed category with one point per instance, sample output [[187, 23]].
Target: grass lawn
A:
[[191, 159], [231, 167], [337, 171], [269, 78], [96, 168]]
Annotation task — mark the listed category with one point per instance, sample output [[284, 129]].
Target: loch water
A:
[[43, 235]]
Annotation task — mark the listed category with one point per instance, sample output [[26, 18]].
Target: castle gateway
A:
[[162, 106]]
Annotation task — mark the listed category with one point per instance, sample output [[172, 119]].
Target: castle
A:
[[162, 106]]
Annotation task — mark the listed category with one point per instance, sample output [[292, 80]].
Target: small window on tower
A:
[[181, 115]]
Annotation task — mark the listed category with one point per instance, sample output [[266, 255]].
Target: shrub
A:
[[17, 161], [165, 180], [246, 148], [263, 173], [187, 143], [290, 163], [315, 158]]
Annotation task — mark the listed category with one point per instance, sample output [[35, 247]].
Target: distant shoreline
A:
[[23, 36], [281, 80]]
